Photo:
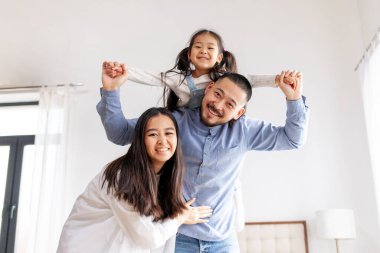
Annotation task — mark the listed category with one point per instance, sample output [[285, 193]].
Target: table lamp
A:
[[336, 224]]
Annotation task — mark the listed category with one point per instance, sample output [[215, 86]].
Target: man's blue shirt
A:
[[213, 154]]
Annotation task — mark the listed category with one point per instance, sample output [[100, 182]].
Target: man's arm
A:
[[119, 130], [265, 136]]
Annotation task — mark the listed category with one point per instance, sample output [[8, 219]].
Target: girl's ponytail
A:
[[182, 62], [229, 61], [228, 64], [182, 66]]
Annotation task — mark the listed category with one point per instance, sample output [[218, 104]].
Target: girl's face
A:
[[160, 140], [204, 53]]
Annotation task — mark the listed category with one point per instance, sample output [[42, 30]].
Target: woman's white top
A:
[[178, 83], [100, 223]]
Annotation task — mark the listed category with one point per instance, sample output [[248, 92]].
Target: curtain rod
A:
[[373, 40], [32, 87]]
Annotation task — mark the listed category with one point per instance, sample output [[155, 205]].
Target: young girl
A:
[[135, 204], [203, 61]]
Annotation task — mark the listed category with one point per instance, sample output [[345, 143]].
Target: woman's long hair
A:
[[182, 66], [133, 179]]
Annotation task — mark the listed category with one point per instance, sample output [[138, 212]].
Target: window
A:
[[17, 132]]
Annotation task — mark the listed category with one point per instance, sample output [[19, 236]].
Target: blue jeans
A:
[[186, 244]]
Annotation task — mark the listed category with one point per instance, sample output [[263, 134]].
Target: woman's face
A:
[[160, 140]]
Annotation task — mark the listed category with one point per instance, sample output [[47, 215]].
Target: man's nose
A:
[[218, 105]]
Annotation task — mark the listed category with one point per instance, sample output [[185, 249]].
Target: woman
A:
[[135, 204]]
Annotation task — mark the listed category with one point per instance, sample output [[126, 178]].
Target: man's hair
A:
[[240, 81], [132, 178]]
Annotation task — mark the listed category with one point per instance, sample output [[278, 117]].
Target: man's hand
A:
[[290, 82], [114, 75]]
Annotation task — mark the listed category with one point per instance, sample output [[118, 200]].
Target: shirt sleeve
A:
[[161, 79], [142, 229], [119, 130], [258, 81], [264, 136]]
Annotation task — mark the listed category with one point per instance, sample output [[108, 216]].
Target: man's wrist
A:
[[110, 88], [293, 98]]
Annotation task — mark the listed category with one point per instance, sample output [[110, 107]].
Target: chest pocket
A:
[[225, 156]]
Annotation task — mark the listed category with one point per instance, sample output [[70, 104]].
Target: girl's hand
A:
[[288, 80], [194, 215], [292, 88], [114, 75]]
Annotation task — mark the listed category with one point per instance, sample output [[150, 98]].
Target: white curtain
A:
[[370, 80], [46, 195]]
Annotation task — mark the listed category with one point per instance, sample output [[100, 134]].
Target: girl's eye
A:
[[169, 133], [152, 134]]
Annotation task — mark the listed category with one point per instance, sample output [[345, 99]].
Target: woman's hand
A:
[[194, 215], [114, 75]]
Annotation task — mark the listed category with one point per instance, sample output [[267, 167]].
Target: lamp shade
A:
[[335, 224]]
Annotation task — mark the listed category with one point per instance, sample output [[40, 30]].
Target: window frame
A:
[[12, 185]]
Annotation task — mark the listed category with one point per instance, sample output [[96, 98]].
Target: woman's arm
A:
[[144, 231]]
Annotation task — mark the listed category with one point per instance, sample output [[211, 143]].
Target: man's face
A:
[[223, 101]]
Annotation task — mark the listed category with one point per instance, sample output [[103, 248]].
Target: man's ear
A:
[[239, 113], [209, 86]]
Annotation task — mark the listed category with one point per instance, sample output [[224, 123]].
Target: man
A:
[[215, 138]]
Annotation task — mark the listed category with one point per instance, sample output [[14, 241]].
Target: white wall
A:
[[369, 12], [66, 41]]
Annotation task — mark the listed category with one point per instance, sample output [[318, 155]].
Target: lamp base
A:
[[337, 245]]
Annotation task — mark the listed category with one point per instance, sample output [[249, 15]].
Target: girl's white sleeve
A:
[[153, 79], [142, 230], [258, 81], [174, 81]]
